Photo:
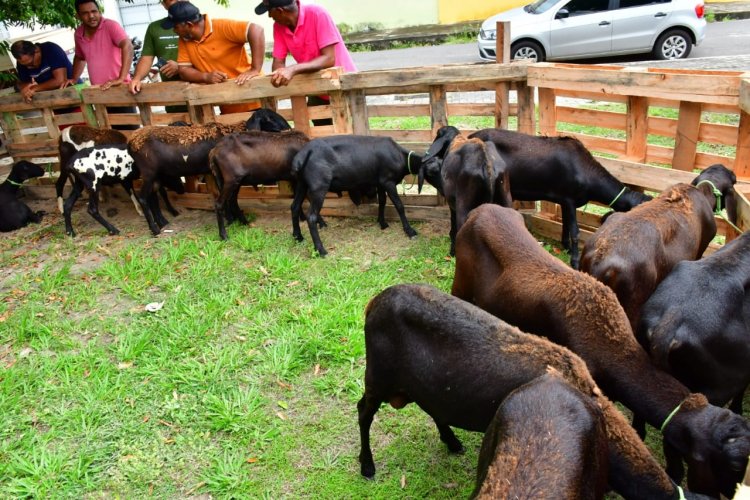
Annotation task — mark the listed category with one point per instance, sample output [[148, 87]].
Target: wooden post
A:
[[358, 106], [269, 103], [526, 110], [636, 129], [547, 112], [742, 154], [502, 42], [686, 141], [145, 111], [49, 122], [342, 122], [300, 114], [438, 108]]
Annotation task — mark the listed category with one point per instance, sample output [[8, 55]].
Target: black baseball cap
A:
[[270, 4], [180, 12]]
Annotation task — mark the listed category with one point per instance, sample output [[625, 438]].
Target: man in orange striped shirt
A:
[[213, 50]]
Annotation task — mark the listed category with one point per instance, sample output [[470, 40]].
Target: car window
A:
[[639, 3], [541, 6], [582, 7]]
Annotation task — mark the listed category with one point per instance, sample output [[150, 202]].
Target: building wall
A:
[[451, 11]]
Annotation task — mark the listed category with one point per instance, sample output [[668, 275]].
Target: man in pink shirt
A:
[[310, 35], [102, 45]]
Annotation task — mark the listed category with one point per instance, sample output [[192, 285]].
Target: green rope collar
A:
[[718, 211], [408, 167], [617, 197], [671, 416], [680, 492], [716, 193], [13, 183]]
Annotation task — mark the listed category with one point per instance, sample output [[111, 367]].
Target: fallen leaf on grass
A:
[[281, 415], [25, 352], [251, 460], [403, 482], [283, 404], [284, 385], [146, 418], [316, 371], [450, 486], [125, 365]]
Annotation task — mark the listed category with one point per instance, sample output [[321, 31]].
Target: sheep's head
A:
[[432, 161]]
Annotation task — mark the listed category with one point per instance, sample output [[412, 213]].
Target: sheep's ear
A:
[[420, 178], [438, 147]]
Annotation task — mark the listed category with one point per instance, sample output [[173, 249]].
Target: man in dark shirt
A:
[[40, 66]]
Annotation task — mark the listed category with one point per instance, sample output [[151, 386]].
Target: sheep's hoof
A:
[[411, 234], [114, 232], [298, 237], [384, 225], [456, 448], [322, 253], [368, 471]]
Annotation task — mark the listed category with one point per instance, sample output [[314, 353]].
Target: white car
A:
[[549, 30]]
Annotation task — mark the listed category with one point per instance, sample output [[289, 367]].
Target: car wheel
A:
[[527, 49], [673, 44]]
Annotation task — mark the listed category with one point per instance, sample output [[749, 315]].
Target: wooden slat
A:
[[438, 108], [583, 116], [636, 129], [433, 75], [526, 109], [359, 112], [547, 112], [696, 86], [398, 110], [686, 140], [744, 103], [742, 155]]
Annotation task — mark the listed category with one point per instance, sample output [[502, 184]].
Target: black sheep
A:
[[15, 214]]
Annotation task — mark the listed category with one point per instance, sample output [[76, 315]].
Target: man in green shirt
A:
[[161, 43]]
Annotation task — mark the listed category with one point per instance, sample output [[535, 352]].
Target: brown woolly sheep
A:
[[634, 251], [458, 363], [547, 441], [502, 268]]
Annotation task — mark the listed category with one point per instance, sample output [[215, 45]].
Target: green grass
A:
[[243, 384]]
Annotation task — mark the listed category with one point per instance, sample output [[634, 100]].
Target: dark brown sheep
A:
[[253, 158], [547, 440], [472, 173], [502, 268], [560, 170], [458, 363]]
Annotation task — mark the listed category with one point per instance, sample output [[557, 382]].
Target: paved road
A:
[[726, 47]]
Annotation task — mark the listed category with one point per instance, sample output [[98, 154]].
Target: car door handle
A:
[[604, 23], [660, 14]]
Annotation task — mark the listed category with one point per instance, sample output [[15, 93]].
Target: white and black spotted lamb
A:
[[98, 166]]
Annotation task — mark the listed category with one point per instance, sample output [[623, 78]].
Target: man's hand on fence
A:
[[246, 76], [29, 90], [112, 83]]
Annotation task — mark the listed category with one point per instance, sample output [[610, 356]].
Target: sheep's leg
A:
[[68, 207], [128, 185], [449, 438], [221, 205], [367, 407], [393, 195], [171, 209], [94, 212], [570, 233], [381, 208], [153, 202], [60, 186], [316, 203], [300, 191], [143, 198], [453, 233], [238, 213]]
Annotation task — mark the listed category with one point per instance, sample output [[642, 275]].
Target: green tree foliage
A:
[[47, 12]]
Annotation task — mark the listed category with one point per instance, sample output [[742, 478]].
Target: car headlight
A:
[[487, 34]]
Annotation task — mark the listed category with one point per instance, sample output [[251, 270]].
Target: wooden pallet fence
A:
[[563, 91]]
